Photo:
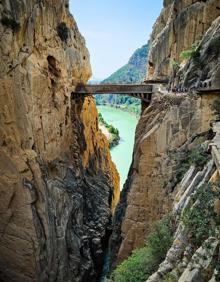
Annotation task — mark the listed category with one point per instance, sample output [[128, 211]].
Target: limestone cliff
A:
[[58, 185], [194, 254], [167, 130], [172, 125], [180, 24], [202, 71]]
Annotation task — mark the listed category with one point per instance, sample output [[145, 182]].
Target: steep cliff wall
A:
[[180, 24], [58, 185], [172, 125], [167, 130], [194, 254], [202, 71]]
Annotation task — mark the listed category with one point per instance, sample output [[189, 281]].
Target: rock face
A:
[[165, 132], [172, 124], [194, 254], [205, 71], [180, 24], [58, 185]]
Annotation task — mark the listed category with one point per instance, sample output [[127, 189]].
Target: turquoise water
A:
[[126, 124]]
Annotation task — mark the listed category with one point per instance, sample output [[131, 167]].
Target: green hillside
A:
[[133, 72]]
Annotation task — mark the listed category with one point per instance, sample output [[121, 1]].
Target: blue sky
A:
[[114, 29]]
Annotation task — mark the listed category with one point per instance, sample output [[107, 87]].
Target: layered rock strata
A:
[[58, 185]]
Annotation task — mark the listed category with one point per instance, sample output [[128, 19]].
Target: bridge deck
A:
[[115, 89]]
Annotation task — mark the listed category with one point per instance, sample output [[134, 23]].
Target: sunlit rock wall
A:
[[58, 186]]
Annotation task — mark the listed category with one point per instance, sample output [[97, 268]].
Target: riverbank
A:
[[111, 133]]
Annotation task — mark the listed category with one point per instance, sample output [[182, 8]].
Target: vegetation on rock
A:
[[200, 219], [175, 65], [143, 262], [197, 157], [193, 53], [114, 132], [171, 277]]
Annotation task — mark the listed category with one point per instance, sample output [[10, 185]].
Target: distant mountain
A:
[[133, 72]]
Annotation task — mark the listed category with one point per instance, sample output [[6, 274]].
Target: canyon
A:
[[60, 202]]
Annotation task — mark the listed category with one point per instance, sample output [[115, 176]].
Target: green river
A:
[[126, 124]]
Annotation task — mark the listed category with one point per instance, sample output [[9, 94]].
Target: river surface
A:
[[126, 124]]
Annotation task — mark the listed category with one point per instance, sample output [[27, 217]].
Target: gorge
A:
[[61, 210], [126, 124]]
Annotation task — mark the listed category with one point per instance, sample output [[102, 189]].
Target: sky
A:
[[114, 29]]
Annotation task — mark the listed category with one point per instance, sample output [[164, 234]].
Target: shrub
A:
[[160, 239], [113, 130], [171, 277], [185, 55], [216, 108], [197, 157], [193, 53], [135, 268], [63, 31], [175, 65], [200, 219], [143, 262]]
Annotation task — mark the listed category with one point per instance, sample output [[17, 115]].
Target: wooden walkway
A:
[[142, 91], [139, 91]]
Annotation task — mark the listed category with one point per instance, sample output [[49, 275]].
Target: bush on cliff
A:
[[197, 157], [193, 53], [143, 262], [200, 219]]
